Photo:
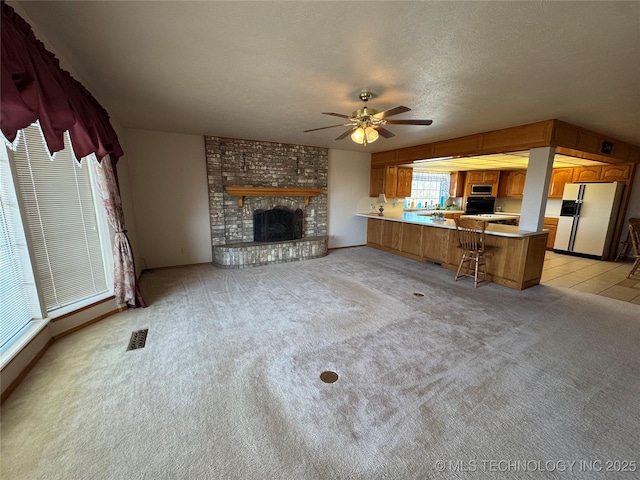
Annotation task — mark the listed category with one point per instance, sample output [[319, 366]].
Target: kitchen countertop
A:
[[421, 219], [432, 210]]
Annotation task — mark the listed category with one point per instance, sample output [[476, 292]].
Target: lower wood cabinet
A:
[[374, 231], [514, 262], [411, 238], [551, 224], [392, 235]]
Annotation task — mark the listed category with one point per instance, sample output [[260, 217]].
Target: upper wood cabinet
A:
[[503, 190], [475, 177], [512, 183], [586, 174], [602, 173], [383, 180], [559, 178], [376, 184], [391, 180], [616, 172], [456, 185], [403, 185], [517, 180]]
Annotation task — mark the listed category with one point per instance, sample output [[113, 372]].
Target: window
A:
[[63, 223], [17, 287], [428, 189]]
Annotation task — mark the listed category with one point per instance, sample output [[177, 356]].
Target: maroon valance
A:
[[34, 87]]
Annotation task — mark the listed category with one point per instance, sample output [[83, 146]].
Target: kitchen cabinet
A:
[[411, 238], [376, 184], [516, 262], [403, 185], [550, 224], [616, 172], [559, 178], [383, 180], [374, 232], [392, 235], [456, 185], [512, 183], [482, 177], [586, 174], [391, 180]]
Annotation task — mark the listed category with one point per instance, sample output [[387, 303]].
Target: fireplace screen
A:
[[277, 224]]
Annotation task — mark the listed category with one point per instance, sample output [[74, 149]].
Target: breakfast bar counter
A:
[[514, 260]]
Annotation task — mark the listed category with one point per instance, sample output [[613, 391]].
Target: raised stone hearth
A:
[[262, 253], [246, 176]]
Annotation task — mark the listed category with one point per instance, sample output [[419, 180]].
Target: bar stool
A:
[[471, 239], [634, 236]]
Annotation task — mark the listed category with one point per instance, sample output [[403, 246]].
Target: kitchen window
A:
[[428, 189]]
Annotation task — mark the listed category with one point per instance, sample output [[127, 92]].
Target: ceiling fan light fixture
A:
[[372, 134], [364, 135], [358, 135]]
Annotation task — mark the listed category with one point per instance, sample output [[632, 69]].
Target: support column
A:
[[536, 187]]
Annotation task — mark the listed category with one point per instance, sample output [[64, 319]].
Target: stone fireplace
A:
[[272, 182]]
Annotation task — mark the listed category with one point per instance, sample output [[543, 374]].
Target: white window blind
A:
[[17, 305], [61, 220]]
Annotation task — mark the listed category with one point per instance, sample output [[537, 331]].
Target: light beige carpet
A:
[[228, 385]]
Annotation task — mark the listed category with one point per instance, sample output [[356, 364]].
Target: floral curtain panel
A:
[[124, 274]]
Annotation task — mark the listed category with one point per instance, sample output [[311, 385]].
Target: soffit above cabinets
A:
[[502, 161]]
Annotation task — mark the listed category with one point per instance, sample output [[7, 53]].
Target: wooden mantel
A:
[[242, 192]]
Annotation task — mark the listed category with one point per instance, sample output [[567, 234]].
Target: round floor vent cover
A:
[[329, 377]]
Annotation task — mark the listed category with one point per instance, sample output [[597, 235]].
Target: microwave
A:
[[481, 189]]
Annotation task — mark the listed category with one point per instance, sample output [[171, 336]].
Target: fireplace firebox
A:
[[277, 224]]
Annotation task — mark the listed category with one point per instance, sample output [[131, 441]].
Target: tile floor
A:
[[593, 276]]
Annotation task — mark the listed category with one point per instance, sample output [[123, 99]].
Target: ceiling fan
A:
[[366, 124]]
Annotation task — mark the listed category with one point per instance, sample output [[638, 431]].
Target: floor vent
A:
[[138, 339], [329, 377]]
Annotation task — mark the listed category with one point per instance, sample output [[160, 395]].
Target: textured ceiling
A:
[[266, 70]]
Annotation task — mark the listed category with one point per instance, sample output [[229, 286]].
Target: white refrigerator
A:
[[587, 218]]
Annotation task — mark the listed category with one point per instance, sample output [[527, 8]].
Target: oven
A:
[[479, 205]]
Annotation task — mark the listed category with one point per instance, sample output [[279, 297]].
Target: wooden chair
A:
[[634, 237], [471, 239]]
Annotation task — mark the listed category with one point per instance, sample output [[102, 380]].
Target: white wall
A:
[[168, 178], [348, 182]]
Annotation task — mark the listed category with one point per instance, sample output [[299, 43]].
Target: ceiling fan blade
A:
[[385, 133], [322, 128], [392, 111], [347, 133], [336, 114], [409, 122]]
